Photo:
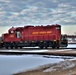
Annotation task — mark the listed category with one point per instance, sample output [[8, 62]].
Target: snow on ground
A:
[[14, 64], [24, 50], [71, 46]]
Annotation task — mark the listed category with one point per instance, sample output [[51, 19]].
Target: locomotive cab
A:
[[11, 39], [14, 31]]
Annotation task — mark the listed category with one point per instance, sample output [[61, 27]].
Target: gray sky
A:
[[37, 12]]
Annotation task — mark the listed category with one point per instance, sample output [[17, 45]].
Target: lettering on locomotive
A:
[[42, 32]]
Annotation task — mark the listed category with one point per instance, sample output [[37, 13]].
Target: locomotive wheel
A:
[[6, 47], [45, 45], [9, 47], [16, 47], [41, 45], [53, 47], [57, 47], [20, 47]]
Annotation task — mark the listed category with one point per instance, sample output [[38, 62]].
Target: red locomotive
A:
[[31, 36]]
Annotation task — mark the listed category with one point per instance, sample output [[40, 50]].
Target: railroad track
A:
[[56, 52], [36, 48]]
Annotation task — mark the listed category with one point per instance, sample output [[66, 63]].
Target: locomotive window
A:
[[57, 27], [18, 34], [11, 32]]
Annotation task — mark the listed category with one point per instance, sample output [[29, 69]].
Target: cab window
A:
[[18, 34]]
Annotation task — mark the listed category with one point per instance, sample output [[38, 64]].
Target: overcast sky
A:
[[37, 12]]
